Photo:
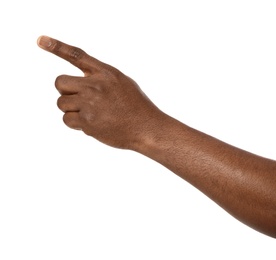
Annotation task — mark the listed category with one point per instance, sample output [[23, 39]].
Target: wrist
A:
[[158, 136]]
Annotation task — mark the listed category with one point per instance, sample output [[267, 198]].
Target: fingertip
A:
[[44, 42]]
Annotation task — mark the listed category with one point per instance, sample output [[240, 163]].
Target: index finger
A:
[[74, 55]]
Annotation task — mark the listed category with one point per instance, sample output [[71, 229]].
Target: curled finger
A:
[[68, 103], [72, 120]]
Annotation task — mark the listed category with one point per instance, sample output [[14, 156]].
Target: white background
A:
[[63, 195]]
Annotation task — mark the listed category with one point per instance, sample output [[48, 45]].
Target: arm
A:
[[111, 107]]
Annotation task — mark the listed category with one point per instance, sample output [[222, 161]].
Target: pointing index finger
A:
[[74, 55]]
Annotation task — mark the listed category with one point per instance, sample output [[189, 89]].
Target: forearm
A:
[[242, 183]]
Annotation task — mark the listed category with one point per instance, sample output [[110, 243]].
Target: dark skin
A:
[[109, 106]]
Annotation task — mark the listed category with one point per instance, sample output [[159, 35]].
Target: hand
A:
[[104, 103]]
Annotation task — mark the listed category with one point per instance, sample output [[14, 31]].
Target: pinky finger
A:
[[72, 120]]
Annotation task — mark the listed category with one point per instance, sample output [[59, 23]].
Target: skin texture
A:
[[109, 106]]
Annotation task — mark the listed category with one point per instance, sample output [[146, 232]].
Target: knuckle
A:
[[71, 121], [111, 72], [55, 46], [59, 81], [88, 116], [76, 53], [61, 103], [97, 87], [67, 119]]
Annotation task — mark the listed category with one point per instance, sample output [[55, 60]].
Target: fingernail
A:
[[44, 41]]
